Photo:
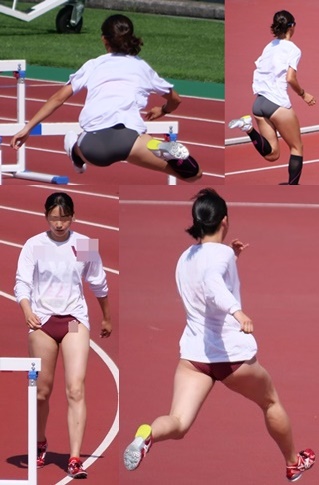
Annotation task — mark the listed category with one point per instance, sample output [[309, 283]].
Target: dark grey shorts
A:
[[263, 107], [107, 146]]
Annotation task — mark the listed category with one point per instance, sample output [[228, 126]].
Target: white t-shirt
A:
[[271, 70], [50, 274], [207, 280], [118, 88]]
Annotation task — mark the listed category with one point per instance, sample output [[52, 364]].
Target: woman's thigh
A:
[[191, 387], [140, 155], [75, 351], [287, 123], [252, 381], [45, 348]]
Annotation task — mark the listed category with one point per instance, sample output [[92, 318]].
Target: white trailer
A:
[[68, 20]]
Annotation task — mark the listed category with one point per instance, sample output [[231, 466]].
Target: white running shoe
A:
[[168, 149], [70, 140], [135, 452], [245, 123]]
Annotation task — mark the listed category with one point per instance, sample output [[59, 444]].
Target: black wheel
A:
[[62, 22]]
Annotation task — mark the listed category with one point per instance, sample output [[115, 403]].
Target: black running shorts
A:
[[263, 107], [107, 146]]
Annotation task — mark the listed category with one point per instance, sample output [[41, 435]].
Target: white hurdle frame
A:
[[19, 169], [54, 129], [32, 366]]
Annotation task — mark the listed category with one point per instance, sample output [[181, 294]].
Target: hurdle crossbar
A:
[[32, 366], [56, 129], [49, 129]]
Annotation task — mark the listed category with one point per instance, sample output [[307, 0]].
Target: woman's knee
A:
[[75, 393], [44, 393], [181, 429]]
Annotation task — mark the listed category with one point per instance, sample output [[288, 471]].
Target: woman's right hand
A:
[[20, 138], [246, 324], [33, 321], [309, 99]]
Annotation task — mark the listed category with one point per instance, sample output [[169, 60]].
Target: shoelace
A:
[[75, 466]]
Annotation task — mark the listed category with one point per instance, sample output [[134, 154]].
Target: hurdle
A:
[[18, 170], [32, 366]]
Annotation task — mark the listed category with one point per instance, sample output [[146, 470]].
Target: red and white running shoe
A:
[[75, 468], [306, 460], [42, 450]]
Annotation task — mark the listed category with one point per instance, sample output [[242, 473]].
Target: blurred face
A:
[[59, 224]]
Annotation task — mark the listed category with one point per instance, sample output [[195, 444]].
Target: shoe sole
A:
[[173, 148], [133, 455], [78, 475], [245, 119]]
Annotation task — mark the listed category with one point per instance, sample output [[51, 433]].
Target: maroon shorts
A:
[[218, 371], [59, 325]]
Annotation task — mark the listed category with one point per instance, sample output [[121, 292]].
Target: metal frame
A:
[[42, 8], [32, 366]]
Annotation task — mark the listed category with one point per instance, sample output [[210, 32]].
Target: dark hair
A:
[[61, 200], [118, 30], [208, 211], [282, 21]]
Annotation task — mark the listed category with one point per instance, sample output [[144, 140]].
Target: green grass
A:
[[176, 47]]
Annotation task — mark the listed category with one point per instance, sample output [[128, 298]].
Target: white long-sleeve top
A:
[[270, 75], [118, 87], [208, 283], [50, 275]]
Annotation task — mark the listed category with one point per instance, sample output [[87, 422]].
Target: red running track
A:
[[201, 129], [247, 32], [228, 442], [94, 211]]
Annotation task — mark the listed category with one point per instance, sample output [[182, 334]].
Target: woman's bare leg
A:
[[75, 350], [251, 380], [44, 347], [287, 124], [191, 388]]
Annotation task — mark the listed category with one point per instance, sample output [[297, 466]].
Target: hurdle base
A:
[[42, 177]]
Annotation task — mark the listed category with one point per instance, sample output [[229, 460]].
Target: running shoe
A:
[[306, 460], [42, 450], [75, 468], [70, 140], [135, 452], [245, 123], [168, 149]]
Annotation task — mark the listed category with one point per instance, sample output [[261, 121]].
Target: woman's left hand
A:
[[238, 246], [154, 113], [106, 329], [309, 99]]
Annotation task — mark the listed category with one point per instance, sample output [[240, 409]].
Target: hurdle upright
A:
[[32, 366], [18, 169]]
